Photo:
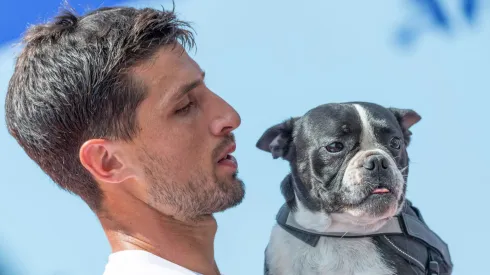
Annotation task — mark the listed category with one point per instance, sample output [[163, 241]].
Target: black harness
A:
[[407, 235]]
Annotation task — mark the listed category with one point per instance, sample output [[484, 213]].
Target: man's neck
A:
[[137, 226]]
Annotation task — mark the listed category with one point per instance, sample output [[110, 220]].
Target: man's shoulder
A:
[[142, 270], [138, 262]]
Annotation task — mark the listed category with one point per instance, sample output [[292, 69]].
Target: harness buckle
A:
[[433, 268]]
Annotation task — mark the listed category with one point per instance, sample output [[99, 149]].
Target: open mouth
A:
[[227, 159]]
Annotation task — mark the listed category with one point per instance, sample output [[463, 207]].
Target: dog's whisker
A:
[[403, 169]]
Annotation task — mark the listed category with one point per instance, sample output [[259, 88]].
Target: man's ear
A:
[[277, 139], [104, 161], [406, 118]]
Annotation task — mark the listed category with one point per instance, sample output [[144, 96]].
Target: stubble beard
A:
[[200, 196]]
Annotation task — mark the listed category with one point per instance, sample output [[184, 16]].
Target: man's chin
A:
[[230, 193], [221, 203], [208, 198], [236, 193]]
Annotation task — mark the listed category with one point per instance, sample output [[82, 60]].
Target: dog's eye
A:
[[396, 143], [335, 147]]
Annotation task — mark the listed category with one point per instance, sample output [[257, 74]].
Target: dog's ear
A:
[[406, 118], [277, 139]]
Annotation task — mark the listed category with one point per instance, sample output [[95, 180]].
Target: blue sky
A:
[[272, 60]]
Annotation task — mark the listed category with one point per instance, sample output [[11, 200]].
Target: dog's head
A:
[[349, 163]]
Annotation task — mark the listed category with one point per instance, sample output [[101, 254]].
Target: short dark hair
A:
[[72, 82]]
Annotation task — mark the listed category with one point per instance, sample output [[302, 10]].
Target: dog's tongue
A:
[[381, 191]]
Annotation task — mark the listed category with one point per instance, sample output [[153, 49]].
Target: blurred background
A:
[[272, 60]]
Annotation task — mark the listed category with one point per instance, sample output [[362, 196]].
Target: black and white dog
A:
[[349, 166]]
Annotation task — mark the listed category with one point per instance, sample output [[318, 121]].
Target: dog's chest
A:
[[287, 255]]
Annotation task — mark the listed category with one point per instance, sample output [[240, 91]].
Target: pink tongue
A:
[[380, 191]]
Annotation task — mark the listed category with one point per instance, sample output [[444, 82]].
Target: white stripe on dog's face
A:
[[368, 139]]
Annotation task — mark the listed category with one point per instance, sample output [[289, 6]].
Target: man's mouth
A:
[[227, 159]]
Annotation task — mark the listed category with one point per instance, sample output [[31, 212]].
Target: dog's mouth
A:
[[377, 204], [374, 195], [380, 191]]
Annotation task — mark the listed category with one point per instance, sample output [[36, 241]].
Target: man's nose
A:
[[226, 120]]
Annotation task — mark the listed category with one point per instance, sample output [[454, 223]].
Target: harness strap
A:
[[407, 227]]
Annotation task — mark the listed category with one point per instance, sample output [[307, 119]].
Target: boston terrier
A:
[[345, 210]]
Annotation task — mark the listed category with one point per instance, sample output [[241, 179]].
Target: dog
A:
[[347, 184]]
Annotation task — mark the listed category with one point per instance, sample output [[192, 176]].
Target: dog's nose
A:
[[375, 162]]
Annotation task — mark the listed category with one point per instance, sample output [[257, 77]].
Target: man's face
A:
[[184, 134]]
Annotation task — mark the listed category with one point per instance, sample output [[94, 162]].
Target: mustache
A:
[[227, 140]]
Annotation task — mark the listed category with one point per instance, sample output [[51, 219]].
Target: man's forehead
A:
[[169, 63]]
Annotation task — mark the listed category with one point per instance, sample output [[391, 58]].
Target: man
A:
[[113, 109]]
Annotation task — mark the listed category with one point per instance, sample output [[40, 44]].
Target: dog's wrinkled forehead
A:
[[338, 124], [364, 121]]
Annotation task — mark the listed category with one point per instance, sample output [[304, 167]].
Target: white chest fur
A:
[[287, 255]]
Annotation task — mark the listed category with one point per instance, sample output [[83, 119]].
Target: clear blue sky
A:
[[271, 60]]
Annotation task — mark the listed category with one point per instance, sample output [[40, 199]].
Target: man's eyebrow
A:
[[184, 89]]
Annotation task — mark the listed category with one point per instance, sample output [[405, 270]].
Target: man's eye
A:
[[185, 109]]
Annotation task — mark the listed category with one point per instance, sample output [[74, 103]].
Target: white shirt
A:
[[139, 262]]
